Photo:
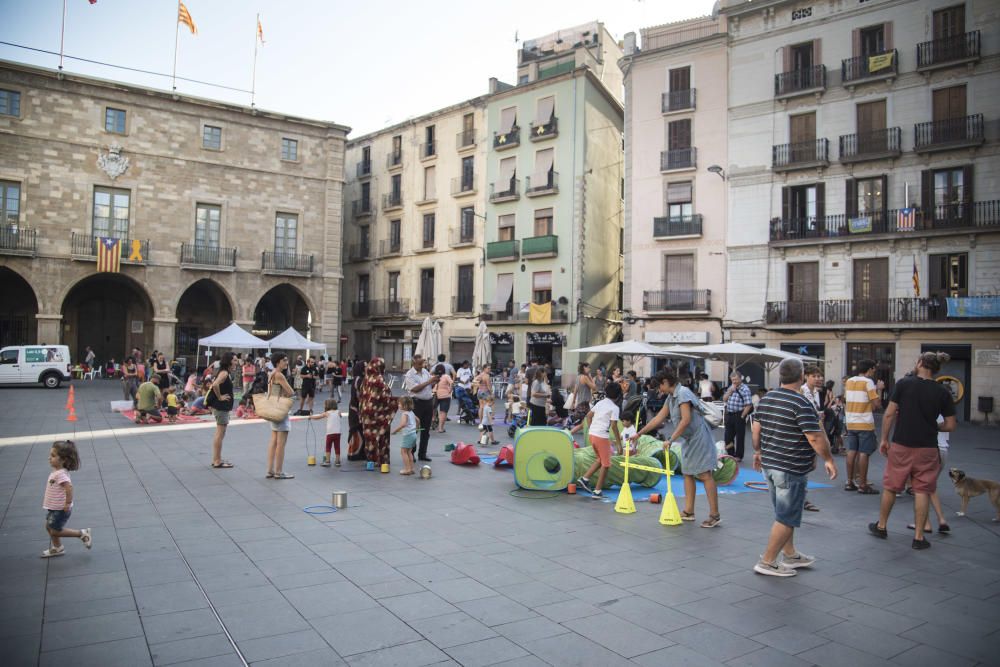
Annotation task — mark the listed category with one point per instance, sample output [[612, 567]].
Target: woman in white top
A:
[[705, 388]]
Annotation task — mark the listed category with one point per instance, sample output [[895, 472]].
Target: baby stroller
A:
[[468, 411], [518, 420]]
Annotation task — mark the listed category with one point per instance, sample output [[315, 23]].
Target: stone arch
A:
[[203, 308], [18, 310], [282, 306], [110, 312]]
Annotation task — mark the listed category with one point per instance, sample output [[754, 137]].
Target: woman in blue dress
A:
[[698, 455]]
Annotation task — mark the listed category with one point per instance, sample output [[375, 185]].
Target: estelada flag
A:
[[916, 278], [184, 16], [109, 255]]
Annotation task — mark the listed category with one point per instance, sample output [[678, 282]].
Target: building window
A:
[[466, 283], [871, 197], [289, 149], [111, 212], [10, 202], [467, 225], [429, 144], [114, 120], [363, 288], [10, 103], [366, 240], [678, 281], [394, 235], [366, 195], [949, 275], [679, 201], [393, 287], [211, 138], [286, 233], [544, 169], [468, 174], [430, 184], [207, 223], [505, 227], [426, 290], [396, 157], [541, 287], [397, 187], [543, 222], [428, 230]]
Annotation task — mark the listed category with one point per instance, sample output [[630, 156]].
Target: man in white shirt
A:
[[419, 383], [464, 375]]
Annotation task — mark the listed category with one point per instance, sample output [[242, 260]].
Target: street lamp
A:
[[718, 171]]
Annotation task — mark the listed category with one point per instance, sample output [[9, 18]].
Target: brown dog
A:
[[967, 488]]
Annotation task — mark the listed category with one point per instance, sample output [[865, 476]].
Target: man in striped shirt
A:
[[861, 395], [786, 438]]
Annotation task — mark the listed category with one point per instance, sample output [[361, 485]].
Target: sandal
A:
[[270, 475], [809, 507], [850, 486], [712, 521], [868, 490], [222, 464], [687, 516], [283, 475], [944, 528]]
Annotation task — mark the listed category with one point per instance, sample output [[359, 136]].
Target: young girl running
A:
[[58, 501], [332, 414], [408, 425], [603, 419]]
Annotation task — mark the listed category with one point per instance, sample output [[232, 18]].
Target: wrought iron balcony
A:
[[463, 185], [389, 308], [874, 145], [899, 311], [948, 51], [540, 246], [689, 225], [286, 262], [394, 159], [859, 68], [392, 200], [502, 140], [800, 81], [503, 251], [464, 236], [801, 155], [361, 208], [364, 168], [359, 252], [691, 300], [389, 247], [204, 256], [546, 184], [509, 192], [943, 135], [506, 315], [521, 312], [84, 246], [465, 139], [677, 100], [463, 303], [16, 240], [428, 150], [680, 158], [361, 308], [546, 130]]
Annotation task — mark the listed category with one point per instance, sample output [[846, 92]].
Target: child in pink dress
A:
[[58, 501]]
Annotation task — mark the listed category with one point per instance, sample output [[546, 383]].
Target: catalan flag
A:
[[184, 16], [916, 279], [906, 220], [109, 254]]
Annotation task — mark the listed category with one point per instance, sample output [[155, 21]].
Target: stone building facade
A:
[[225, 213]]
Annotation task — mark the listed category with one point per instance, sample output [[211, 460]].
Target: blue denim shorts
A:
[[409, 441], [860, 441], [788, 495], [56, 519]]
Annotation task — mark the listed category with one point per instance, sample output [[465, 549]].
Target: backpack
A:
[[711, 414]]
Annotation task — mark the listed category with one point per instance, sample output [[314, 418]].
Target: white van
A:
[[24, 364]]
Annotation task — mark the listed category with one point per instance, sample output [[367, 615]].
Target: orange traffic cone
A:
[[70, 398], [71, 417]]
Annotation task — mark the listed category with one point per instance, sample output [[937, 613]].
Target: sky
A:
[[364, 64]]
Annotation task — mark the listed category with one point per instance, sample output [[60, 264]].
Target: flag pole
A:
[[177, 30], [62, 36], [253, 75]]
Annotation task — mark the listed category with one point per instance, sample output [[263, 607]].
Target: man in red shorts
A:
[[913, 454]]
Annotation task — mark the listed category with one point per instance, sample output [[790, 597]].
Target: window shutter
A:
[[851, 198], [927, 195], [679, 273], [820, 204], [887, 36], [786, 203], [856, 42], [546, 108], [786, 59], [817, 56], [967, 184], [508, 117], [679, 193]]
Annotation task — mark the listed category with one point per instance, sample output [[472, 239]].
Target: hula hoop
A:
[[759, 486], [533, 494], [319, 509]]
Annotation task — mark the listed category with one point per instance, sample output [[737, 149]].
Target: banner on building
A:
[[109, 254], [907, 220], [544, 338], [974, 306], [880, 62], [860, 225]]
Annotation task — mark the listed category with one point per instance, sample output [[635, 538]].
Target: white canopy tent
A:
[[735, 354], [233, 337], [290, 339]]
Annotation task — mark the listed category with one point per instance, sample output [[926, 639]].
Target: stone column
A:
[[163, 335], [49, 329]]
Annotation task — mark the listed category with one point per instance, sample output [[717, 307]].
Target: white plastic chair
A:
[[89, 375]]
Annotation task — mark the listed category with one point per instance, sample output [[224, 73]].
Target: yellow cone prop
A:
[[671, 515], [625, 505]]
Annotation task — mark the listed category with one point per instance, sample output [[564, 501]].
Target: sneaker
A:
[[876, 531], [284, 475], [325, 463], [919, 545], [797, 561], [337, 463], [85, 537], [584, 484], [775, 569], [53, 551], [597, 493]]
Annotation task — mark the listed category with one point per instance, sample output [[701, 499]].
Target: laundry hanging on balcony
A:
[[540, 313]]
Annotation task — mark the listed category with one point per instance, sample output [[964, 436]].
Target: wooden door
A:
[[871, 289], [803, 292], [680, 79], [871, 127], [949, 103], [802, 132], [949, 22]]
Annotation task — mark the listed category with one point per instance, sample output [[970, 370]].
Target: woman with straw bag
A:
[[271, 407]]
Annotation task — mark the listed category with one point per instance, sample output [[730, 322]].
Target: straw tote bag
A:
[[273, 408]]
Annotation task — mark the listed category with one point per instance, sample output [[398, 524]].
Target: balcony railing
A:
[[939, 135], [901, 310], [286, 262], [85, 245], [870, 145], [506, 315], [677, 300], [508, 139], [465, 139], [540, 246], [801, 155], [394, 159], [977, 215], [677, 100], [859, 68], [15, 240], [521, 312], [428, 150], [544, 184], [361, 308], [193, 254], [465, 235], [361, 208], [389, 308], [680, 158], [389, 247], [545, 130], [800, 81], [463, 304], [683, 226], [359, 252], [392, 200], [503, 251], [364, 168], [509, 191], [948, 50], [463, 185]]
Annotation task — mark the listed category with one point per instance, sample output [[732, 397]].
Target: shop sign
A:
[[545, 338], [691, 337], [501, 338]]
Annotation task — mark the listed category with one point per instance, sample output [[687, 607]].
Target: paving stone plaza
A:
[[197, 566]]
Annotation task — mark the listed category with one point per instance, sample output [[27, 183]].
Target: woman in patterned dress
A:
[[377, 406]]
